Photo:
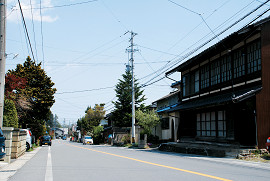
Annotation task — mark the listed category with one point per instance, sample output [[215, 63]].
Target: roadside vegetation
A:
[[257, 155], [29, 95]]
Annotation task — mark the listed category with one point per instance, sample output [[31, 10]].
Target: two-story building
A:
[[225, 93], [168, 128]]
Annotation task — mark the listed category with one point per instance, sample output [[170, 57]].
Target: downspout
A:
[[255, 117]]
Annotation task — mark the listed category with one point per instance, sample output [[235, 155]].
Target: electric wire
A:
[[202, 45], [201, 38], [26, 31], [33, 27], [67, 5], [111, 12], [42, 37], [151, 66], [157, 50], [89, 90], [69, 103]]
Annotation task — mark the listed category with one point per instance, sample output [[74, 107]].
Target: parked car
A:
[[267, 144], [88, 140], [2, 144], [64, 138], [45, 140], [28, 139]]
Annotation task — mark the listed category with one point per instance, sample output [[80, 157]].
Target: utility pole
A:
[[132, 50], [54, 126], [2, 56]]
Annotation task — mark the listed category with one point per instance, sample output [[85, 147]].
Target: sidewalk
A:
[[8, 170]]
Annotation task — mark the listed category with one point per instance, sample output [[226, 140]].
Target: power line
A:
[[33, 26], [69, 103], [184, 36], [184, 7], [89, 90], [199, 14], [157, 50], [202, 45], [67, 5], [26, 30], [100, 64], [41, 32], [117, 19], [151, 66]]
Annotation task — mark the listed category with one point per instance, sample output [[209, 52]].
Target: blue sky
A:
[[84, 46]]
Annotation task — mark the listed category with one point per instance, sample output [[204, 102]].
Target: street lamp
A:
[[14, 55]]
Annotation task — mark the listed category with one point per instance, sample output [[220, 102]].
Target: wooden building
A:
[[225, 93], [168, 127]]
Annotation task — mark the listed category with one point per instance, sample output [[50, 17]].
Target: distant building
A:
[[168, 128]]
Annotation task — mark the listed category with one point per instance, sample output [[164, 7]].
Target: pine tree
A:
[[122, 114]]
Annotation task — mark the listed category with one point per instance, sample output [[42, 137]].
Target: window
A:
[[197, 81], [221, 124], [254, 57], [215, 72], [205, 76], [165, 123], [191, 83], [185, 88], [226, 68], [206, 124], [211, 124], [239, 63]]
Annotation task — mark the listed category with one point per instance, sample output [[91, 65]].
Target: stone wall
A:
[[18, 143]]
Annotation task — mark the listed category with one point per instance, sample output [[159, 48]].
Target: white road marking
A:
[[49, 173]]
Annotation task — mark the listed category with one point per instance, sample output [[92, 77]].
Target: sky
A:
[[82, 44]]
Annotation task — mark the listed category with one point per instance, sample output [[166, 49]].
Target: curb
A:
[[8, 170]]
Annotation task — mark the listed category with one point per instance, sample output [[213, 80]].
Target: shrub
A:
[[10, 118], [266, 156], [126, 139]]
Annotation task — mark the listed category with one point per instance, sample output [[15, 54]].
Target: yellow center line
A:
[[150, 163]]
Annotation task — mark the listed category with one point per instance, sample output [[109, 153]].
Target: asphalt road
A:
[[65, 161]]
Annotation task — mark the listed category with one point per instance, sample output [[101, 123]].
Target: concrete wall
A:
[[8, 143]]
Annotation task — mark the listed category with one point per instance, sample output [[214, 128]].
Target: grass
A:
[[34, 146]]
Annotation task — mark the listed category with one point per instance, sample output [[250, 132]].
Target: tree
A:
[[148, 120], [122, 113], [53, 121], [92, 118], [10, 118], [38, 91], [97, 137], [13, 86]]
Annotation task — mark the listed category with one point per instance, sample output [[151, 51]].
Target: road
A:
[[70, 161]]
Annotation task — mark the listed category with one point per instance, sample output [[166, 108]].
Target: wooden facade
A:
[[263, 98], [226, 89]]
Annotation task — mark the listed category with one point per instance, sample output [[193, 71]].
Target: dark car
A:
[[2, 144], [45, 140]]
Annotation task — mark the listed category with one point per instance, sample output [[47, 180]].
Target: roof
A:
[[167, 96], [166, 109], [221, 99], [229, 41]]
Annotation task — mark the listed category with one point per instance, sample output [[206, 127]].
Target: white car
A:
[[28, 139], [88, 140]]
